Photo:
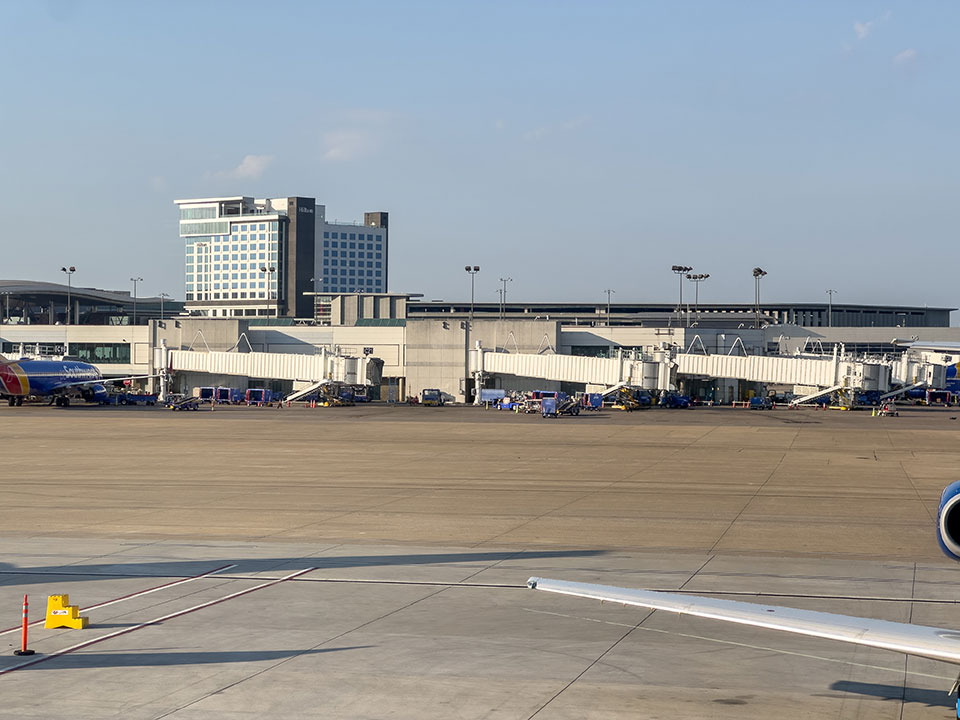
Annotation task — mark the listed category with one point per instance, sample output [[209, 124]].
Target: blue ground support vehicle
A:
[[592, 401], [760, 403], [227, 396], [360, 394], [207, 394], [138, 399], [431, 397], [869, 397], [125, 398], [548, 407], [674, 400], [560, 404], [255, 396]]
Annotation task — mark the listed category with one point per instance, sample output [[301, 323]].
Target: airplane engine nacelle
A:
[[948, 521], [96, 393]]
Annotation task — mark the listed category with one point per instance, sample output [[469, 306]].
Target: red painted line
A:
[[171, 616], [173, 583]]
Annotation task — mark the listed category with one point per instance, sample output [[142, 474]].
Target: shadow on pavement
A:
[[158, 659], [13, 575], [930, 698]]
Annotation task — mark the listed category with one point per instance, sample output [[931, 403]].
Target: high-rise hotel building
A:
[[352, 257], [268, 258]]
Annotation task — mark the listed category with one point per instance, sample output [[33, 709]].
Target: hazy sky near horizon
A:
[[572, 146]]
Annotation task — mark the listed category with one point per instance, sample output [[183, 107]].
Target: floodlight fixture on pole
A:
[[699, 278], [503, 297], [135, 280], [162, 296], [473, 270], [609, 292], [758, 274], [680, 270], [830, 307], [270, 271], [69, 271]]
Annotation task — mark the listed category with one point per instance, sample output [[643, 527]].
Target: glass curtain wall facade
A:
[[227, 267], [234, 256]]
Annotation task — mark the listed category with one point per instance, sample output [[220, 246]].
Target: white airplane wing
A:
[[102, 381], [922, 641]]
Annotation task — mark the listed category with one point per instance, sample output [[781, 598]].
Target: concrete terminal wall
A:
[[386, 343], [437, 350]]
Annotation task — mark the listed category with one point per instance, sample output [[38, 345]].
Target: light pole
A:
[[503, 297], [830, 307], [69, 271], [473, 270], [270, 272], [697, 279], [680, 270], [609, 292], [758, 273], [162, 296], [135, 280]]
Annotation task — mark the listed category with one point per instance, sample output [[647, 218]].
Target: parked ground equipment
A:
[[674, 400], [183, 403], [431, 398]]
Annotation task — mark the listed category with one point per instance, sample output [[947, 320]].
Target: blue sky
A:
[[572, 146]]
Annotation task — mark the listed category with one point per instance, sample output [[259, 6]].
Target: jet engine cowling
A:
[[948, 521], [95, 394]]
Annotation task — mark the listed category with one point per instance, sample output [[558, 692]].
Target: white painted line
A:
[[130, 596], [124, 631]]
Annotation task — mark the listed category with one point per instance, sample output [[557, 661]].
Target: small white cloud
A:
[[346, 145], [863, 29], [906, 57], [250, 168], [356, 134]]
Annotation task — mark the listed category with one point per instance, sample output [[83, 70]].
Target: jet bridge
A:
[[313, 369], [277, 366], [660, 368]]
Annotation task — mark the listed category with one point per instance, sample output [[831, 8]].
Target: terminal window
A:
[[115, 353], [13, 348]]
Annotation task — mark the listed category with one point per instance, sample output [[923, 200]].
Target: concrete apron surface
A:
[[370, 562]]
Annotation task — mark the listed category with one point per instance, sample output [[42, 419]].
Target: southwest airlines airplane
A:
[[59, 380], [927, 642]]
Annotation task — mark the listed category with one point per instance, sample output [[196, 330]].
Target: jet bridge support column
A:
[[478, 375], [163, 369]]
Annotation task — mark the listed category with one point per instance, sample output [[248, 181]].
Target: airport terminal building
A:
[[427, 344], [276, 257]]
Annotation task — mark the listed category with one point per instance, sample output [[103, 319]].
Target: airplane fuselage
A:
[[43, 378]]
